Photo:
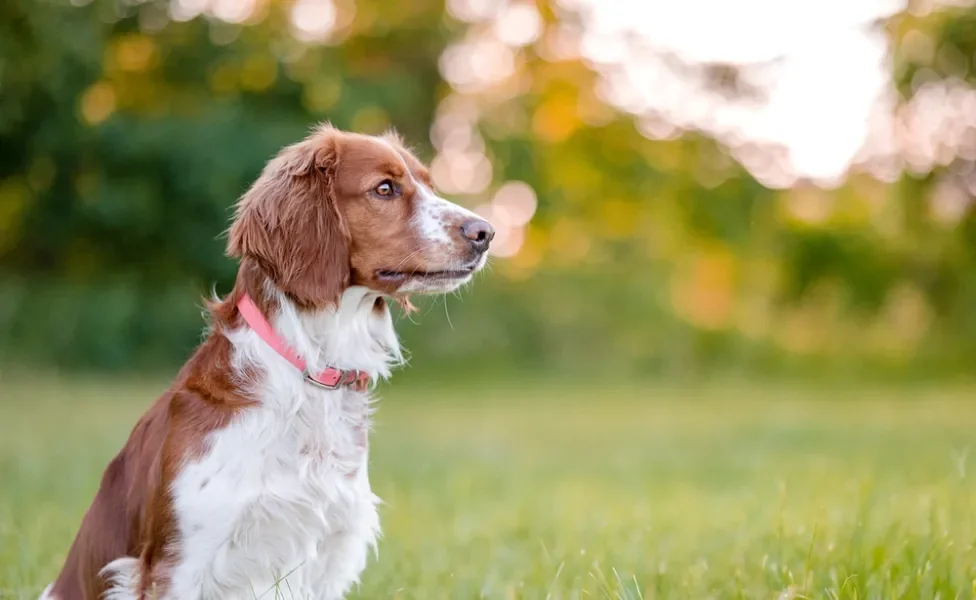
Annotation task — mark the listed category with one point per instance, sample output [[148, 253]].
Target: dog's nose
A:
[[479, 232]]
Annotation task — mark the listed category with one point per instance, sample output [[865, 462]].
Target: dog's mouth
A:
[[446, 275]]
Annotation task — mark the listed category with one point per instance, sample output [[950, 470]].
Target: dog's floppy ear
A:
[[290, 223]]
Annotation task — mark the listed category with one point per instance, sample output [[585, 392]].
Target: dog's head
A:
[[340, 209]]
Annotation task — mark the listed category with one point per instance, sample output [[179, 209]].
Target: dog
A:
[[248, 477]]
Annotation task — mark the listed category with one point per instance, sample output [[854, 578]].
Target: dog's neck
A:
[[355, 333]]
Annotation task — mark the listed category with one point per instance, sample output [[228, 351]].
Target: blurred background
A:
[[679, 188], [744, 224]]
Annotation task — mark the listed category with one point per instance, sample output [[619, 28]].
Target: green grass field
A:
[[723, 491]]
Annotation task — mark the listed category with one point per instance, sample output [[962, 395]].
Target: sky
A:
[[820, 63]]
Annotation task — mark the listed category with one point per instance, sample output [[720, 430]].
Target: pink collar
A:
[[330, 378]]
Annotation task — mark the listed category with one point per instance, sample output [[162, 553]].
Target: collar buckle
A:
[[343, 379], [321, 384]]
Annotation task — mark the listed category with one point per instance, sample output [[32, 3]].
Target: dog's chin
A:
[[433, 281], [433, 286]]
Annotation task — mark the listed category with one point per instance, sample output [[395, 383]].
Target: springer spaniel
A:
[[248, 477]]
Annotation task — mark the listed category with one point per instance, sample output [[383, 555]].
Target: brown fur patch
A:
[[131, 514]]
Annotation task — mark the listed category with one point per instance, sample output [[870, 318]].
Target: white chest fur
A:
[[279, 504]]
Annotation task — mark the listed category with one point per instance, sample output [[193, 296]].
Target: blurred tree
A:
[[936, 114], [128, 129], [127, 134]]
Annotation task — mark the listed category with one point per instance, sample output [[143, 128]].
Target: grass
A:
[[559, 492]]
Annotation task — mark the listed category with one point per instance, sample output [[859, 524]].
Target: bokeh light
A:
[[518, 24], [313, 20], [514, 203]]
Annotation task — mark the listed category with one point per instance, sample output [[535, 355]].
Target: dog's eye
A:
[[387, 189]]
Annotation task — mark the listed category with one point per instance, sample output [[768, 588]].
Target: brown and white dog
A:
[[248, 477]]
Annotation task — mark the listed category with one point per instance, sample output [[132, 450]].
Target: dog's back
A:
[[110, 528]]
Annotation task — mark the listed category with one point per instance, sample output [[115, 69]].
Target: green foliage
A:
[[126, 135], [122, 152]]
